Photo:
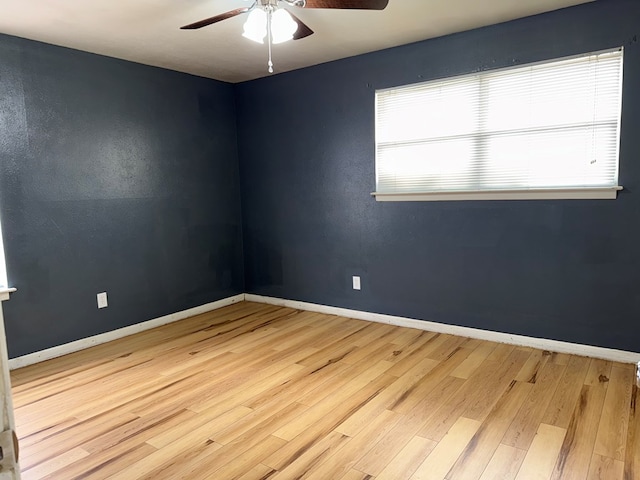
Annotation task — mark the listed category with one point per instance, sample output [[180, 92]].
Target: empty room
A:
[[320, 239]]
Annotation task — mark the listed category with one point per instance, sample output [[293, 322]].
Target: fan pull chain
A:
[[270, 64]]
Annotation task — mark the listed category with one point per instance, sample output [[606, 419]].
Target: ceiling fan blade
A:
[[216, 19], [354, 4], [302, 31]]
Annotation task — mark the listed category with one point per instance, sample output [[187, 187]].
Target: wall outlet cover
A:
[[102, 300], [356, 283]]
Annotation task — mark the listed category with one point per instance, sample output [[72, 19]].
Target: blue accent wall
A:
[[565, 270], [130, 179], [114, 177]]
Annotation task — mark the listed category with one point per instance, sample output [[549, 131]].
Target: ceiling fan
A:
[[268, 19]]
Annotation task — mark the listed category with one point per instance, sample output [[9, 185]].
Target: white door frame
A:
[[9, 467]]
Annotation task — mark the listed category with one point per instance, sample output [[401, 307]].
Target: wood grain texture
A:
[[568, 390], [541, 457], [523, 428], [408, 459], [445, 454], [604, 468], [505, 464], [632, 456], [478, 453], [257, 392], [612, 432], [575, 456]]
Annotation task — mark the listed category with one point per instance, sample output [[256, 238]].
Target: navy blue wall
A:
[[114, 177], [123, 178], [566, 270]]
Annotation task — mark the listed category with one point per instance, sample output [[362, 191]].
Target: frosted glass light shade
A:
[[255, 28], [282, 26]]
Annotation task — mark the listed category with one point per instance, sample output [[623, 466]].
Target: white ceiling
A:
[[147, 31]]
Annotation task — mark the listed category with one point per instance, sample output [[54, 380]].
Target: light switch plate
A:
[[356, 283]]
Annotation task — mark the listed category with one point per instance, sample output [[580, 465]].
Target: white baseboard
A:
[[520, 340], [83, 343]]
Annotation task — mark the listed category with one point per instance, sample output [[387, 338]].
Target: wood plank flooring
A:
[[261, 392]]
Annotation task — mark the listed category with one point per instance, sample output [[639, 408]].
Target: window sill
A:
[[598, 193], [4, 293]]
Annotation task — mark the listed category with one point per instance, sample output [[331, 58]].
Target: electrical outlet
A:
[[102, 300], [356, 283]]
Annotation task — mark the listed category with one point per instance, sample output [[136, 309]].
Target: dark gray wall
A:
[[114, 177], [566, 270]]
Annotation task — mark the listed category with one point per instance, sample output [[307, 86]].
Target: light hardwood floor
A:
[[261, 392]]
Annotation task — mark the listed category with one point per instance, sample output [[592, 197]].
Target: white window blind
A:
[[550, 130]]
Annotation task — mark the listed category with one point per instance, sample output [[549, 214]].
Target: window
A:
[[546, 130], [3, 270]]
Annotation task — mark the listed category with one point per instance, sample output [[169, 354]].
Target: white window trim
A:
[[597, 193], [3, 266], [5, 293]]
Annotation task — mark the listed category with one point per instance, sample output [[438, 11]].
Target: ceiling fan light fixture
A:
[[283, 27], [265, 19], [255, 28]]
